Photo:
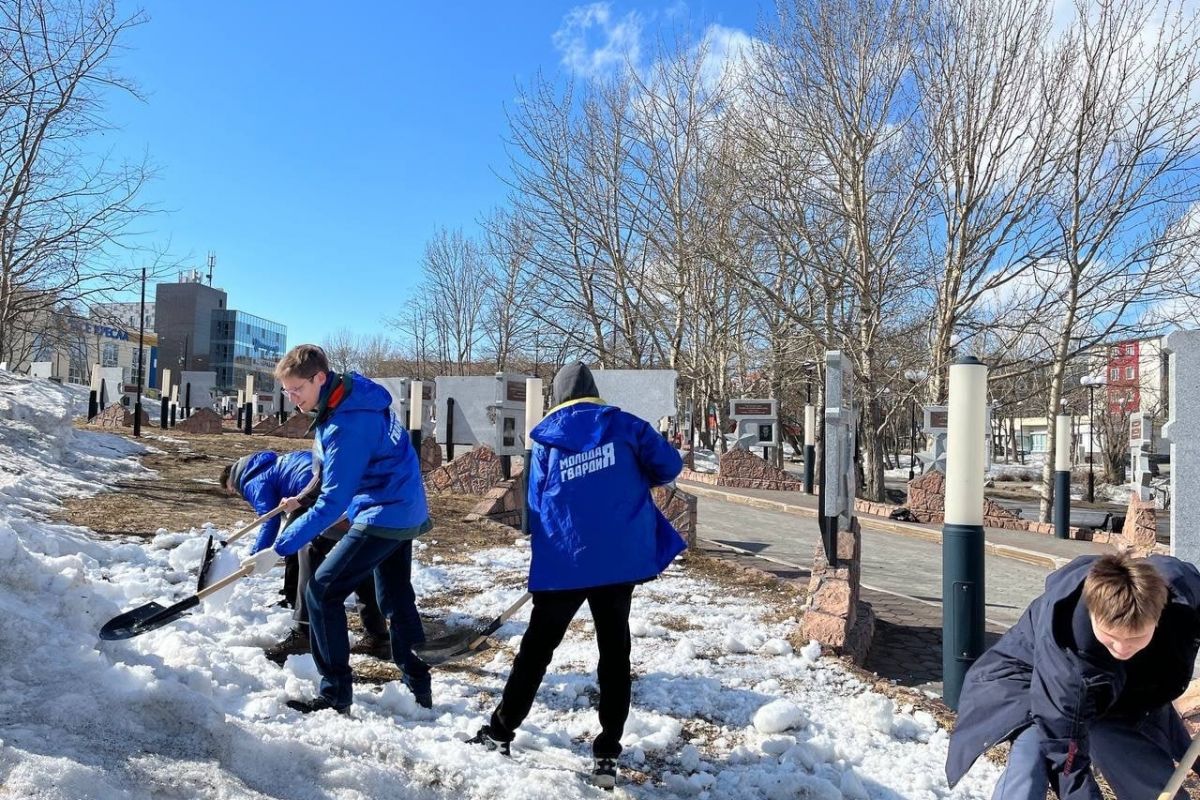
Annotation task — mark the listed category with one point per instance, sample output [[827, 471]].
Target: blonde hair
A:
[[302, 361], [1123, 593]]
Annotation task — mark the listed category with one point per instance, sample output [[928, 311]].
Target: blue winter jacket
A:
[[267, 479], [592, 521], [369, 468], [1034, 676]]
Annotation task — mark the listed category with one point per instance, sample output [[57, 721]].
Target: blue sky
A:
[[315, 151]]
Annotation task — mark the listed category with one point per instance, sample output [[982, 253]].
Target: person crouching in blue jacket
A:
[[595, 532], [1087, 675], [263, 479], [371, 474]]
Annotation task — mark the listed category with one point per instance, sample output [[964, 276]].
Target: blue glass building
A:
[[243, 344]]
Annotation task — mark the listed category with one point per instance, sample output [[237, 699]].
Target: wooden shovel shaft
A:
[[1181, 772], [221, 584], [240, 532], [498, 621]]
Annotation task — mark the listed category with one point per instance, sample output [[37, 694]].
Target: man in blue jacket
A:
[[263, 479], [369, 473], [594, 533], [1087, 675]]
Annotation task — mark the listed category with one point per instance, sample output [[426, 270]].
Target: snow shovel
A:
[[1181, 772], [152, 616], [454, 646], [219, 561]]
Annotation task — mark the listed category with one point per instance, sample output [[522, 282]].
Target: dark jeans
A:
[[309, 559], [1135, 759], [354, 559], [552, 613]]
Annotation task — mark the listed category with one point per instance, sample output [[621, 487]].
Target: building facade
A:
[[124, 315], [197, 331], [243, 344], [64, 347]]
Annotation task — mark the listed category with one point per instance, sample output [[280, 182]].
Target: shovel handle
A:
[[1181, 771], [240, 532], [228, 579], [500, 620]]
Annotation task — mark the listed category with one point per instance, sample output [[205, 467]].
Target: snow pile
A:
[[195, 710], [36, 433]]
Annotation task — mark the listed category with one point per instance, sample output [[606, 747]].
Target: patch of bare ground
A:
[[185, 492]]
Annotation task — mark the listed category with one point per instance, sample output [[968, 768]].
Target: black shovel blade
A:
[[205, 563], [445, 649], [144, 619]]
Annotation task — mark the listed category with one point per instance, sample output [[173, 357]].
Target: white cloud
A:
[[594, 43], [729, 52]]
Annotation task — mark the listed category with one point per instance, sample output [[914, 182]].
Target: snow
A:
[[722, 706]]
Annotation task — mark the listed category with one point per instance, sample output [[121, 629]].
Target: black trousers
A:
[[291, 573], [310, 558], [552, 613]]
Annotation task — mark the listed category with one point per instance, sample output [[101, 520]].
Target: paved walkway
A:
[[901, 570]]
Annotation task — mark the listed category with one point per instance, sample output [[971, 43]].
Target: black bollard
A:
[[162, 414], [93, 405], [249, 418], [172, 415], [449, 429]]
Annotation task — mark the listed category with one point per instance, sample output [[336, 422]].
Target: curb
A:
[[1034, 557]]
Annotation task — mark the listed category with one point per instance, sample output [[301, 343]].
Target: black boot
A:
[[294, 643], [604, 772], [485, 738], [316, 704]]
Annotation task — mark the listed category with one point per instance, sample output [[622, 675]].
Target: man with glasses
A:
[[370, 473]]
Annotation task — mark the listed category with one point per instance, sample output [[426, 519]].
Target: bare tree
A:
[[65, 213], [455, 281], [513, 297], [341, 348], [841, 70], [1128, 134], [983, 102]]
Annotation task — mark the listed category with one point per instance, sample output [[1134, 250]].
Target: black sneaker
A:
[[485, 738], [604, 772], [375, 645], [294, 643], [316, 704]]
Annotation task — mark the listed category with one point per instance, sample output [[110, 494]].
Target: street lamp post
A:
[[913, 376], [137, 406], [1091, 382]]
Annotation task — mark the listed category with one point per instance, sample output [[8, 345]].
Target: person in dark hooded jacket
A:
[[370, 474], [264, 479], [595, 532], [1087, 675]]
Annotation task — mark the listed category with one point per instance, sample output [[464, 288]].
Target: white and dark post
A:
[[534, 411], [1062, 476], [962, 534], [810, 447], [416, 415]]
